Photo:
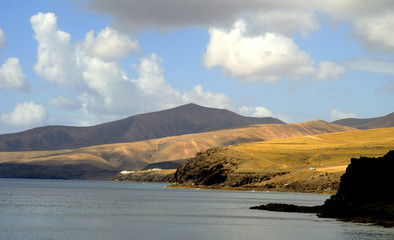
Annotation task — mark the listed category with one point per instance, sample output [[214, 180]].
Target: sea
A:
[[76, 209]]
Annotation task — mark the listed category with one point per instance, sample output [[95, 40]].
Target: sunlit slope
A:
[[136, 155], [325, 152], [312, 163]]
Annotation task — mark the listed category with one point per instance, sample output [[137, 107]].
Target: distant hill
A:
[[103, 160], [368, 123], [185, 119]]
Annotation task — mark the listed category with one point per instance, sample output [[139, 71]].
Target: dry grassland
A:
[[325, 152]]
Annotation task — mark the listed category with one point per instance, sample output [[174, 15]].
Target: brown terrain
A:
[[185, 119], [112, 158]]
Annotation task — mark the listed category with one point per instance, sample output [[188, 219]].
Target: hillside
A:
[[185, 119], [164, 151], [302, 164], [368, 123]]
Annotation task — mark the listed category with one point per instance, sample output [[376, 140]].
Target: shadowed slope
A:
[[185, 119], [368, 123]]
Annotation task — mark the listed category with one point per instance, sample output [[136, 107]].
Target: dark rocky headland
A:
[[365, 194]]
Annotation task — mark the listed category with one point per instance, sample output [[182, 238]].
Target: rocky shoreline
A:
[[364, 195], [156, 176], [214, 169]]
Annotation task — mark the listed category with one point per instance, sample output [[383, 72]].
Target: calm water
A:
[[58, 209]]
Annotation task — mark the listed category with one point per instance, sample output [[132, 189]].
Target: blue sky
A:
[[82, 63]]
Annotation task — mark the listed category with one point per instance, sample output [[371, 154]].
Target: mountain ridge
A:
[[368, 123], [185, 119]]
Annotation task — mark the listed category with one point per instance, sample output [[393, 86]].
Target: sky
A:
[[86, 62]]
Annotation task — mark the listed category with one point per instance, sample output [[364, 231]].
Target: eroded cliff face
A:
[[365, 191], [206, 168]]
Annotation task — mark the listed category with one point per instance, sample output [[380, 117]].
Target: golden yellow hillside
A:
[[312, 163], [324, 152]]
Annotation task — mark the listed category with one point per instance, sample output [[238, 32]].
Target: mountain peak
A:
[[185, 119]]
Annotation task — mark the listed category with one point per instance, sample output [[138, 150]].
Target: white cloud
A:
[[54, 53], [263, 112], [264, 58], [93, 73], [206, 98], [255, 112], [151, 77], [64, 103], [25, 114], [336, 114], [11, 76], [110, 45], [329, 70], [377, 32], [3, 41]]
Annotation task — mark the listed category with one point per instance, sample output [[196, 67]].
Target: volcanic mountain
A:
[[368, 123], [185, 119]]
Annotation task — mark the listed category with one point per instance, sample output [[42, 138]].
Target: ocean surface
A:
[[68, 209]]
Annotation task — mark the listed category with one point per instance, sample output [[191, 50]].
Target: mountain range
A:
[[186, 119], [368, 123], [104, 161], [160, 139]]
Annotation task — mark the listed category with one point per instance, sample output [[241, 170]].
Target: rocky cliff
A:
[[365, 194], [365, 191]]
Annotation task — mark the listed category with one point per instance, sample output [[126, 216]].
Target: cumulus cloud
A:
[[255, 112], [110, 45], [11, 76], [263, 58], [154, 91], [91, 70], [25, 114], [2, 39], [329, 70], [262, 112], [206, 97], [377, 32], [372, 21], [64, 103], [336, 114], [54, 53]]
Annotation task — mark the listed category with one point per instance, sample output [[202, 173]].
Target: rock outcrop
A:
[[365, 194], [206, 168], [218, 168], [365, 191]]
